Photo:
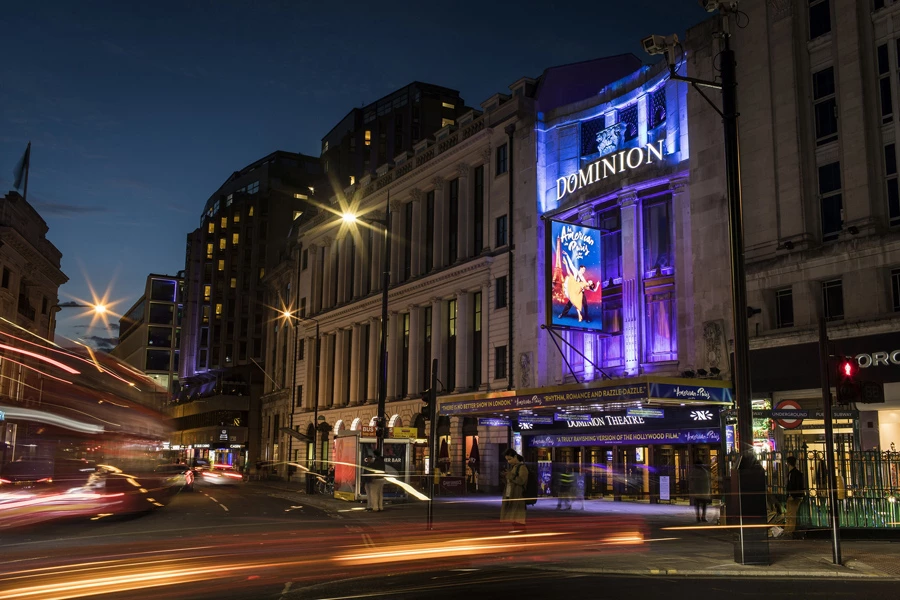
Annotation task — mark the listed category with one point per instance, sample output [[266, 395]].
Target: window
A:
[[211, 228], [833, 300], [221, 265], [453, 225], [825, 106], [162, 289], [301, 349], [303, 307], [877, 4], [253, 187], [447, 105], [236, 218], [250, 211], [500, 295], [890, 176], [500, 362], [221, 243], [819, 18], [426, 363], [262, 272], [224, 222], [501, 160], [235, 238], [206, 292], [884, 84], [159, 337], [157, 360], [831, 200], [352, 180], [895, 289], [445, 122], [161, 314], [478, 217], [233, 283], [784, 308], [501, 231], [304, 259], [218, 309], [657, 238], [297, 214], [299, 398], [209, 250], [451, 345], [429, 231], [368, 138], [476, 340], [44, 305]]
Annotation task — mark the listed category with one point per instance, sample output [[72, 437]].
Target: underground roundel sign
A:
[[788, 405]]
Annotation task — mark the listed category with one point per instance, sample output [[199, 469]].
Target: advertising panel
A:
[[396, 455], [345, 470], [574, 282]]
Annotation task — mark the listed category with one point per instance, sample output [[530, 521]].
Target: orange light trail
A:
[[46, 359]]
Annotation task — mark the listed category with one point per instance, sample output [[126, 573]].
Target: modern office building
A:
[[242, 230], [369, 137], [150, 331]]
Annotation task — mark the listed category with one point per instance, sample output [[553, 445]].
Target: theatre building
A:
[[612, 371]]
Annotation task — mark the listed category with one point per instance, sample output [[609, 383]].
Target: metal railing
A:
[[868, 485]]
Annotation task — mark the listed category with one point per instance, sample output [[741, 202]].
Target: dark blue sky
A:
[[139, 111]]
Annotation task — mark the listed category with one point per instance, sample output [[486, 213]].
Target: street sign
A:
[[872, 393], [789, 406]]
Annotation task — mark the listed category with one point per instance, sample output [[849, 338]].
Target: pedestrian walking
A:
[[565, 491], [512, 507], [796, 491], [700, 489], [374, 475]]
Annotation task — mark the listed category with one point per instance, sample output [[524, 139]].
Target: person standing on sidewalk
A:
[[375, 483], [564, 494], [796, 491], [700, 489], [512, 507]]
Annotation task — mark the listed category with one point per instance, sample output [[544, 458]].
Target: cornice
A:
[[36, 262]]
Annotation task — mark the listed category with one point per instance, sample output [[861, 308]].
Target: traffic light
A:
[[849, 388]]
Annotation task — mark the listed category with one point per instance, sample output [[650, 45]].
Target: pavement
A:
[[677, 544]]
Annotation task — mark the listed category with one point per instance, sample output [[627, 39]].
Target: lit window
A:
[[368, 138], [445, 122], [221, 243], [233, 282], [297, 214], [235, 238], [250, 214], [262, 272], [212, 227], [325, 147], [237, 217], [207, 289], [221, 264], [352, 180], [301, 196], [218, 309], [224, 222], [209, 250], [447, 105]]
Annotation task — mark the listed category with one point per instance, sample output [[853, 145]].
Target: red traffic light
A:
[[848, 369]]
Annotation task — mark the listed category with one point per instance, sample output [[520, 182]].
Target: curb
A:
[[774, 573]]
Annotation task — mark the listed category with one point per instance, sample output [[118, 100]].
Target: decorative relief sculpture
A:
[[608, 139], [714, 338]]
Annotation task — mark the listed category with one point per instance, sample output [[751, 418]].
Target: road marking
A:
[[223, 506], [368, 541]]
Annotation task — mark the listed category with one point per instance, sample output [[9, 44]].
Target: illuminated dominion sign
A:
[[611, 164]]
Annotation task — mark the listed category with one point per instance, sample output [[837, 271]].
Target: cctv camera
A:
[[714, 5], [654, 44]]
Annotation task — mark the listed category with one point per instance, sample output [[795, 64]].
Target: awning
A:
[[295, 434]]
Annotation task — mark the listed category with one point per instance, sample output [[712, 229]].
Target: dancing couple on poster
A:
[[575, 285]]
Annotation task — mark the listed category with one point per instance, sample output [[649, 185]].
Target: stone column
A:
[[340, 384], [632, 298], [326, 381], [354, 365], [327, 273], [345, 283], [361, 263], [465, 235], [440, 217], [438, 337], [315, 295], [417, 257], [488, 232], [374, 359], [463, 341], [377, 236], [415, 350], [486, 374], [396, 241], [643, 110], [312, 376], [393, 368]]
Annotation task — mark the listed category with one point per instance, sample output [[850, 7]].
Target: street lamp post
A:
[[385, 284], [98, 309], [289, 315]]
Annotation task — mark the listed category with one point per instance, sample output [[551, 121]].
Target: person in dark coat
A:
[[796, 491], [700, 490]]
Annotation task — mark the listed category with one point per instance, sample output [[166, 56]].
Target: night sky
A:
[[138, 112]]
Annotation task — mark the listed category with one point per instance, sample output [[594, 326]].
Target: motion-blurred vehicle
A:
[[220, 475], [178, 476]]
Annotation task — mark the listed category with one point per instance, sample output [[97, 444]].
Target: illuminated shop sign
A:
[[687, 436], [535, 420], [565, 417], [574, 282], [622, 421], [637, 390], [488, 422], [611, 164], [647, 413], [876, 359]]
